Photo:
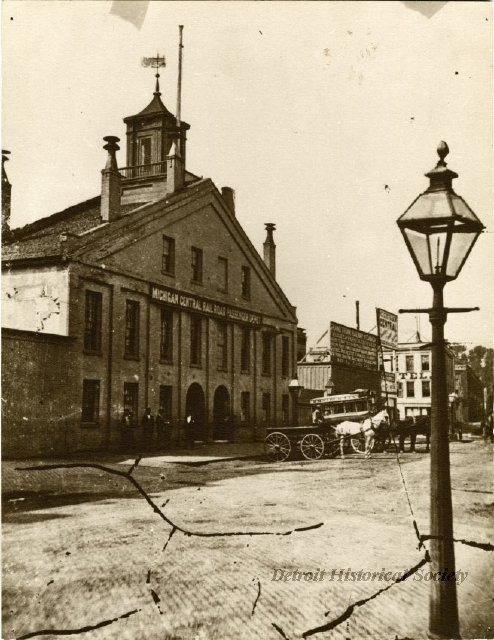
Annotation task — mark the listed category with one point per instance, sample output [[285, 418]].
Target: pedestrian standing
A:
[[162, 431], [127, 431], [190, 430], [147, 428]]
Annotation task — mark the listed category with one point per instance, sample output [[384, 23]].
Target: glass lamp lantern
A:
[[295, 387], [439, 227]]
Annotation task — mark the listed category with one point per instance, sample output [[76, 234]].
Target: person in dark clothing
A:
[[162, 431], [147, 428], [127, 431], [316, 416], [190, 427]]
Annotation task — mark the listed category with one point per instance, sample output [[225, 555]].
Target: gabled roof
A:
[[90, 240], [41, 239]]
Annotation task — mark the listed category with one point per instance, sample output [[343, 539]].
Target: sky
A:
[[322, 116]]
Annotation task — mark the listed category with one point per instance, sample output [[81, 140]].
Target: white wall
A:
[[36, 300]]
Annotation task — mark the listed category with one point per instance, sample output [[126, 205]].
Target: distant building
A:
[[413, 373], [470, 392], [344, 359], [150, 294]]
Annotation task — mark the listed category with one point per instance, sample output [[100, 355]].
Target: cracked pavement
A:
[[86, 553]]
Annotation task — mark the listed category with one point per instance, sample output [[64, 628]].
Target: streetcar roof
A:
[[342, 397]]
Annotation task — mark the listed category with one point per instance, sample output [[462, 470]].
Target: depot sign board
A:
[[197, 304], [387, 328], [352, 347]]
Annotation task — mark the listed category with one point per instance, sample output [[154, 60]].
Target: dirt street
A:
[[198, 555]]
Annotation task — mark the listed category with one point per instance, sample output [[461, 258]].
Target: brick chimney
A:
[[229, 197], [175, 170], [6, 194], [110, 182], [270, 248]]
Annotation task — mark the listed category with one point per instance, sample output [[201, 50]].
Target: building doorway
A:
[[195, 407], [222, 418]]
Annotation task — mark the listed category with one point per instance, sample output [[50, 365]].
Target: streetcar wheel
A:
[[386, 443], [277, 446], [312, 446], [358, 444]]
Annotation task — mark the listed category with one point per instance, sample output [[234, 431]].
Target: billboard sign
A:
[[387, 328], [353, 347]]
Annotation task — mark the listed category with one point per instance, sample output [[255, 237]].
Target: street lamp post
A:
[[440, 230]]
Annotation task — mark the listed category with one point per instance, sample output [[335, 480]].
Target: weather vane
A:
[[155, 63]]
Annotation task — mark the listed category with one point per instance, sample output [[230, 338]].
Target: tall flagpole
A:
[[178, 139], [179, 87]]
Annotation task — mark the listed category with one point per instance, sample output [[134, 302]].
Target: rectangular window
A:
[[222, 274], [409, 363], [426, 362], [266, 408], [285, 356], [131, 400], [92, 321], [410, 389], [132, 328], [245, 406], [245, 350], [166, 401], [400, 390], [266, 354], [145, 150], [222, 345], [285, 408], [195, 340], [166, 335], [245, 283], [90, 401], [196, 265], [168, 257], [426, 388]]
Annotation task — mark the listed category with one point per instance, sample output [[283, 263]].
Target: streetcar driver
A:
[[316, 416]]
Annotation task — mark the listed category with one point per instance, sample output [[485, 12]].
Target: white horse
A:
[[368, 428]]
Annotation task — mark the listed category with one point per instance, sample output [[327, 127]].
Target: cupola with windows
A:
[[150, 135], [156, 146]]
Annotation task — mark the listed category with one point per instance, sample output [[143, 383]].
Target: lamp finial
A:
[[442, 152]]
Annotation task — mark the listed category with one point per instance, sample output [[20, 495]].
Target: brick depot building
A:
[[150, 295]]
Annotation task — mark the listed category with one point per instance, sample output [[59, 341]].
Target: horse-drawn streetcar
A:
[[326, 435]]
